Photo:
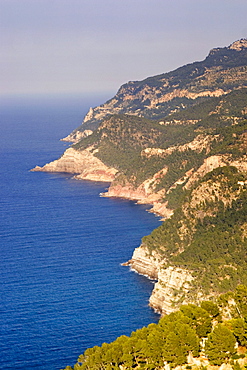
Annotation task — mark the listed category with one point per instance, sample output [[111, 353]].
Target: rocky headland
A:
[[83, 164]]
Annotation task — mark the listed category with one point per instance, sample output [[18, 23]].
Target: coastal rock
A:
[[173, 283], [145, 263], [172, 287], [127, 191], [143, 194], [141, 197], [83, 163]]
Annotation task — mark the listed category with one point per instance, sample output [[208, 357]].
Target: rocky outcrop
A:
[[83, 163], [143, 194], [127, 191], [171, 289], [173, 283], [144, 262], [239, 45], [76, 136], [199, 143], [213, 162]]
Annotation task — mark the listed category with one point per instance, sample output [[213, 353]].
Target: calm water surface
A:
[[62, 286]]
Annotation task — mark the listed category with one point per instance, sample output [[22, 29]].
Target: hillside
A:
[[177, 141]]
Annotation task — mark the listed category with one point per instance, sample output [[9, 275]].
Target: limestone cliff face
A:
[[213, 162], [171, 289], [198, 144], [173, 283], [144, 193], [144, 262], [82, 163]]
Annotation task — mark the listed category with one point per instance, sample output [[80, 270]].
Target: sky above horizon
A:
[[87, 46]]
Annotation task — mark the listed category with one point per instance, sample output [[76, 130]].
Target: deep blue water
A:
[[62, 288]]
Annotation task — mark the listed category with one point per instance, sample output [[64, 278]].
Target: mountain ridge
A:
[[165, 93]]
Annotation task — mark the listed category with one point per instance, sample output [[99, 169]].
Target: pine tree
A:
[[220, 345]]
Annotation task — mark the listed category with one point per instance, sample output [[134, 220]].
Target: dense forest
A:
[[212, 334]]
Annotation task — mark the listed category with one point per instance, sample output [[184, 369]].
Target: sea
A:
[[62, 286]]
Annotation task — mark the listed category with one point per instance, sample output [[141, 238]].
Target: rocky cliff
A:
[[172, 288], [172, 283], [83, 164]]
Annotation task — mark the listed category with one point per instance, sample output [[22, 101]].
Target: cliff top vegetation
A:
[[177, 339]]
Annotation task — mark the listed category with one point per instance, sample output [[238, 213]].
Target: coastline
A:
[[84, 166]]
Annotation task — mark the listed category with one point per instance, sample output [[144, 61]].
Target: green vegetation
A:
[[231, 140], [121, 139], [175, 337], [220, 346], [176, 196], [178, 163]]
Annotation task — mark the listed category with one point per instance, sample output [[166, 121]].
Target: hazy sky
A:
[[50, 46]]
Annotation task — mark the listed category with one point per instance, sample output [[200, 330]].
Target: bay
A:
[[63, 288]]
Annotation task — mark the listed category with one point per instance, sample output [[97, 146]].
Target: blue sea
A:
[[62, 286]]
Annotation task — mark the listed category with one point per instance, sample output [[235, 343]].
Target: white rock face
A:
[[145, 263], [173, 284], [89, 115], [198, 144], [83, 163]]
